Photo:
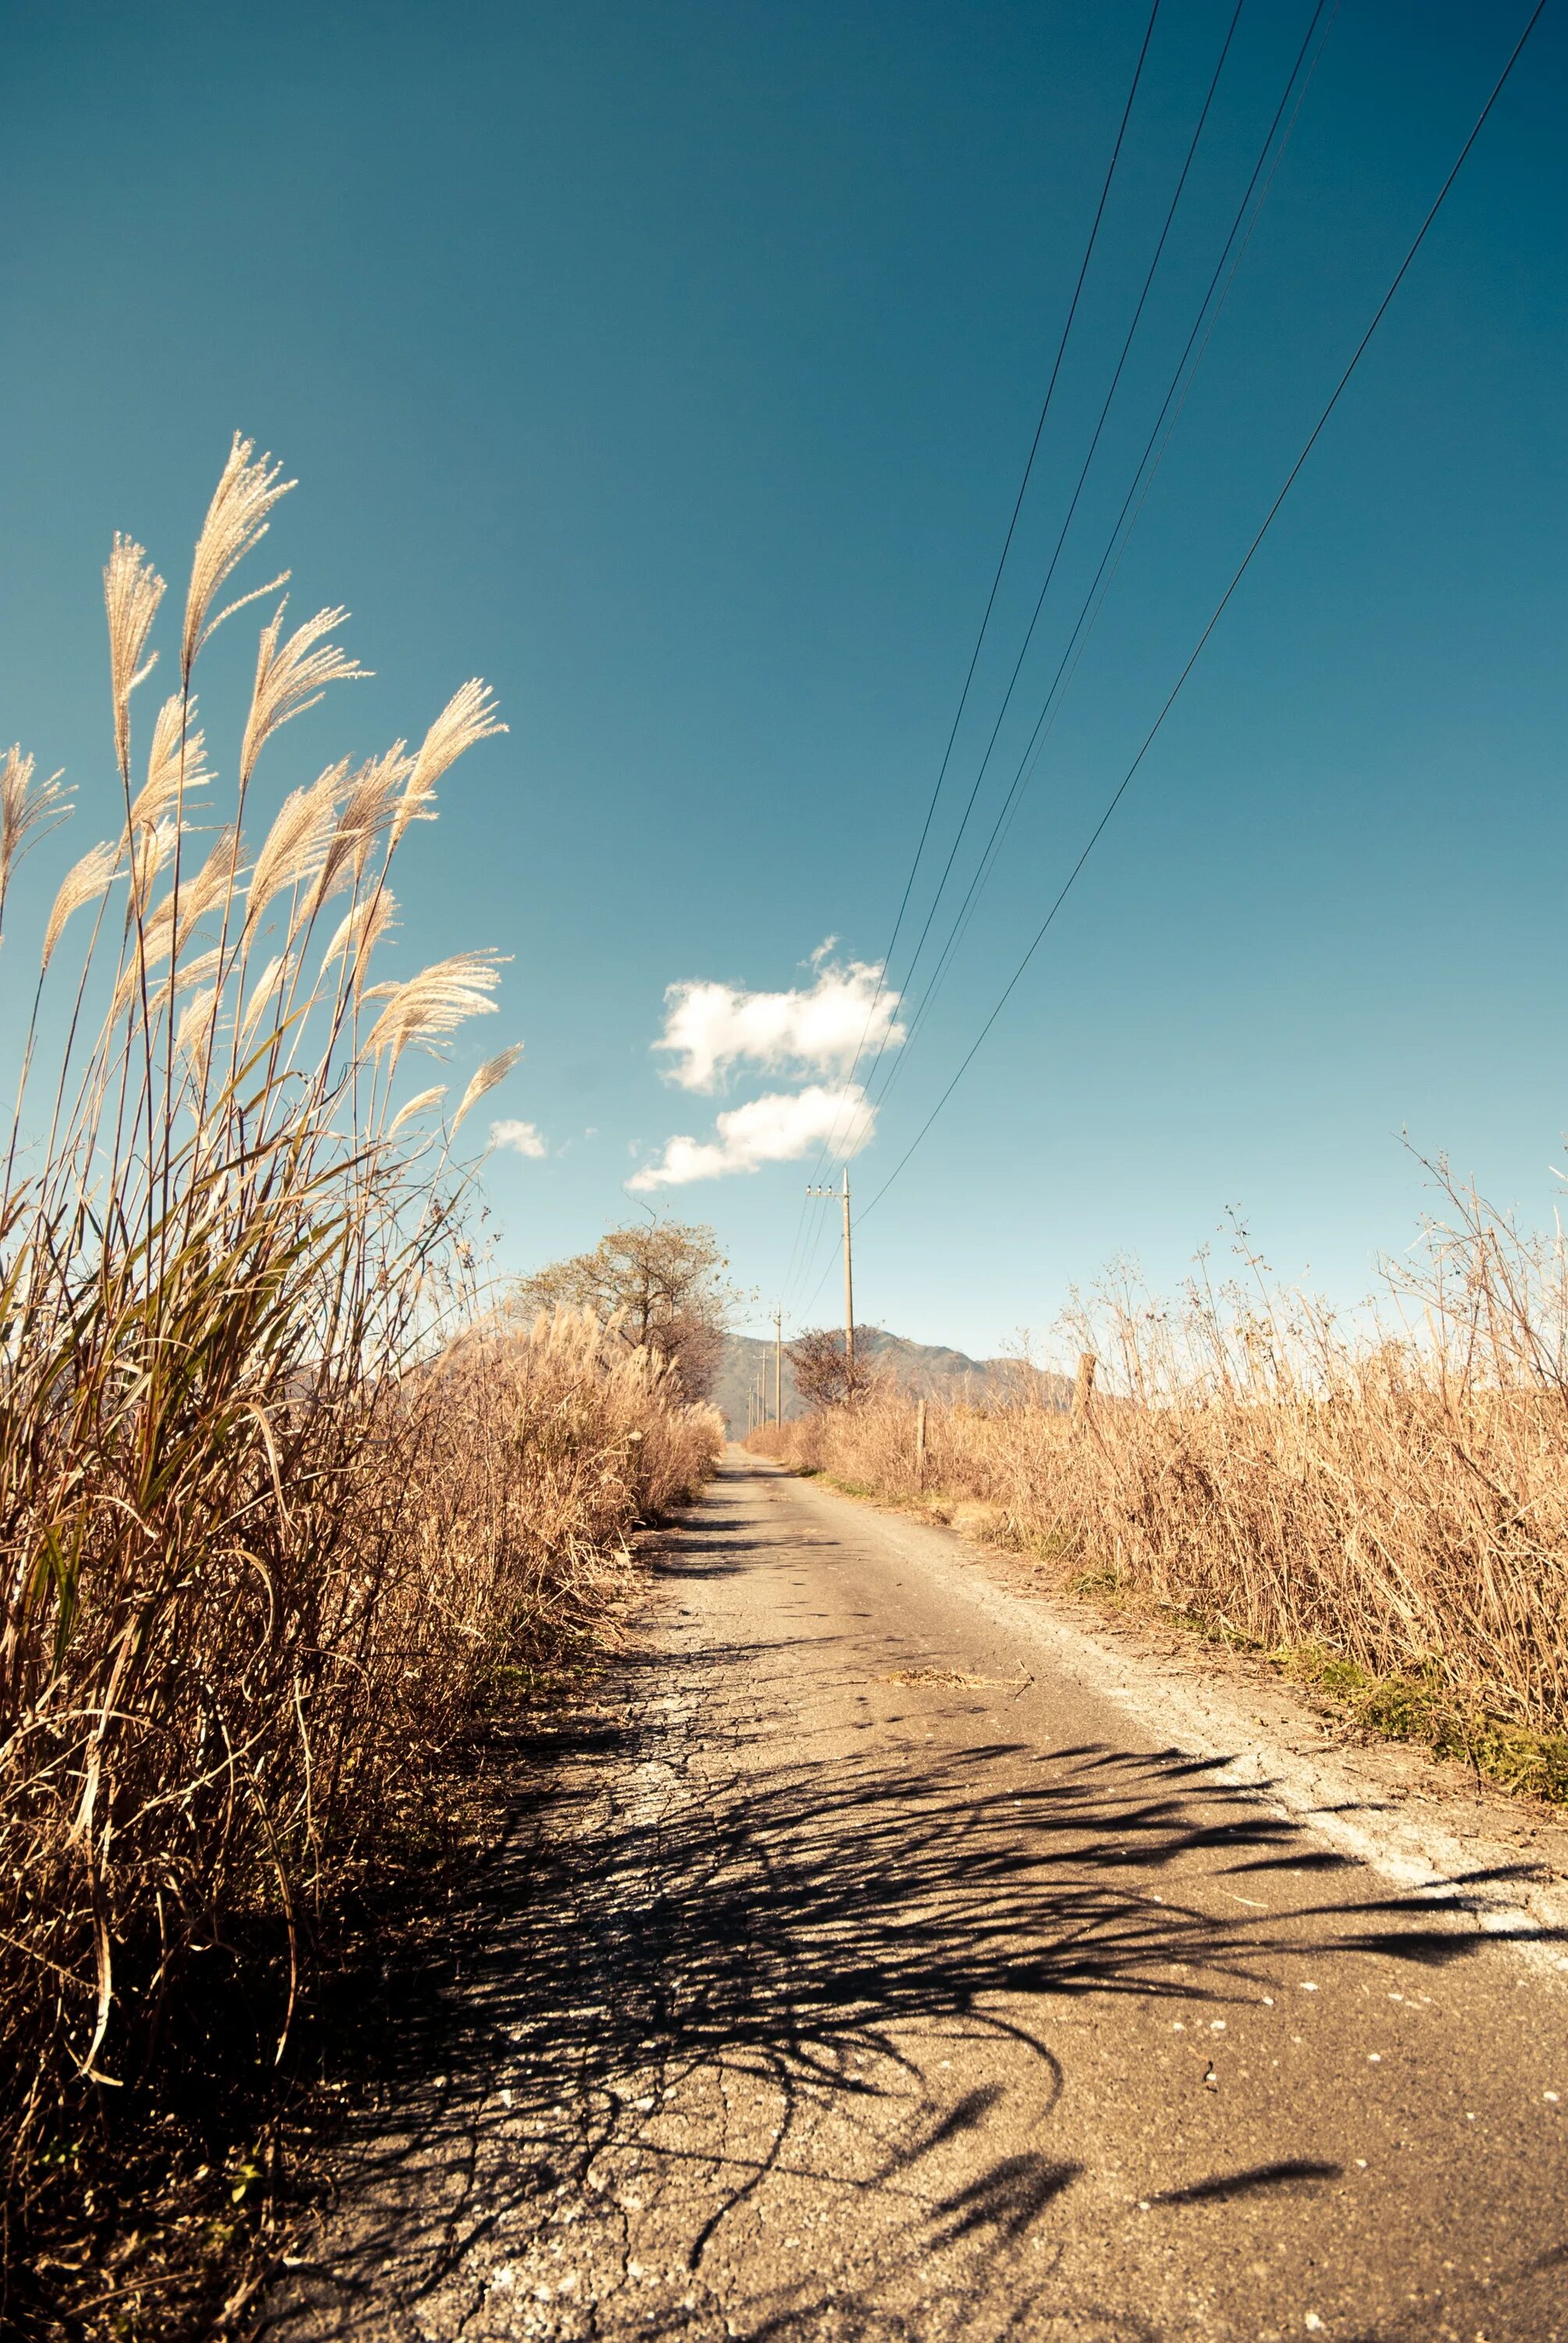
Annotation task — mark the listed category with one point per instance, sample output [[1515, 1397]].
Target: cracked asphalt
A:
[[852, 1971]]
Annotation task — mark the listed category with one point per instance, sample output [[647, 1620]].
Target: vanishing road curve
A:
[[854, 1972]]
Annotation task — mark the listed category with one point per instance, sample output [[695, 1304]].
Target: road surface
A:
[[865, 1975]]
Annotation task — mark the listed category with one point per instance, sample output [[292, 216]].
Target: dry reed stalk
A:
[[276, 1502]]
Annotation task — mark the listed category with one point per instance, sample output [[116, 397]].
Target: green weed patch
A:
[[1421, 1708]]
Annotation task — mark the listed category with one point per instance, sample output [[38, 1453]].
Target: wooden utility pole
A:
[[848, 1274], [1082, 1386], [778, 1365], [848, 1288], [920, 1445]]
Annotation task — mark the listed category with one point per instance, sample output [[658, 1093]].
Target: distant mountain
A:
[[923, 1370]]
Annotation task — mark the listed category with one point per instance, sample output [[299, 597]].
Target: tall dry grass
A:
[[1392, 1491], [277, 1501]]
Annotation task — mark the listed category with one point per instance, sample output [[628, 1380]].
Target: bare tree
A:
[[824, 1376], [662, 1283]]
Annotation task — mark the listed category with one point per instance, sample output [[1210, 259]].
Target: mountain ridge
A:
[[921, 1370]]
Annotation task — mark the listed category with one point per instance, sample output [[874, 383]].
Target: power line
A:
[[809, 1261], [1023, 484], [1079, 637], [830, 1147], [1220, 607], [1086, 622], [1077, 490]]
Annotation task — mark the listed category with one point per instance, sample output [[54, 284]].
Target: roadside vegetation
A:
[[286, 1510], [828, 1375], [657, 1286], [1381, 1506]]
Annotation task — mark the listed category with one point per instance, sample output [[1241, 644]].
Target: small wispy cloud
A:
[[518, 1138], [777, 1129], [818, 1028]]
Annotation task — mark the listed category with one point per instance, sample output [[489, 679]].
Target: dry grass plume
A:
[[279, 1505]]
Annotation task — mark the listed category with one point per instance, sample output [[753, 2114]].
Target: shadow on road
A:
[[764, 1918]]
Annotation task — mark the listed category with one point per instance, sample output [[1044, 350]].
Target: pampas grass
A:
[[277, 1500]]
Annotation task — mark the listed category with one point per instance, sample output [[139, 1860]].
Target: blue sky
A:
[[673, 367]]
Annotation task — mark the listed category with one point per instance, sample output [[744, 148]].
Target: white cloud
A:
[[772, 1130], [519, 1138], [818, 1028]]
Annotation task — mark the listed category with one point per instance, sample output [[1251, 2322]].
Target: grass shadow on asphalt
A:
[[787, 1922]]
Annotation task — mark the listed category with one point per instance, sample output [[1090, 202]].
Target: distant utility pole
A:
[[1083, 1386], [849, 1276], [778, 1365]]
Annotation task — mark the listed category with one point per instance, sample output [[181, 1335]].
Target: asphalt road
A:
[[855, 1974]]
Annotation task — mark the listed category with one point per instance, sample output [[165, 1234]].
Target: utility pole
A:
[[1083, 1386], [849, 1287], [778, 1365], [849, 1276]]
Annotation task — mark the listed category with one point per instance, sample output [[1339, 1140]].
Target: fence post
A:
[[920, 1445], [1082, 1385]]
